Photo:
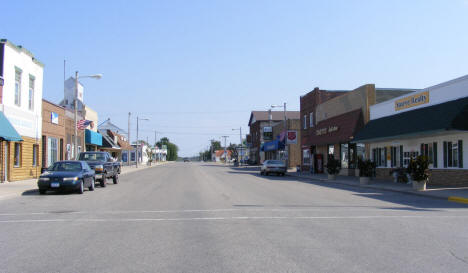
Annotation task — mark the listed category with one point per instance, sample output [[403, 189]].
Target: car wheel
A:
[[81, 188], [42, 191], [115, 179], [102, 183], [91, 187]]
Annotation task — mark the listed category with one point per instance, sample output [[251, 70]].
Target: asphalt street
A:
[[202, 217]]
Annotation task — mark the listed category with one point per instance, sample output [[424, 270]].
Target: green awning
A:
[[451, 115], [7, 131]]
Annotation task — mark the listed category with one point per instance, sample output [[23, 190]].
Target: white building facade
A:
[[21, 104], [432, 122]]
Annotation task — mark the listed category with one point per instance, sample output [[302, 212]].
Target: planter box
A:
[[331, 177], [419, 185], [364, 180]]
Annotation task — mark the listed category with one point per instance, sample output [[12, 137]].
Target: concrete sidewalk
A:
[[16, 188], [459, 194]]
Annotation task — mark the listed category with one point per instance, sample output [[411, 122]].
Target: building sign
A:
[[54, 117], [268, 133], [323, 131], [411, 101], [292, 137]]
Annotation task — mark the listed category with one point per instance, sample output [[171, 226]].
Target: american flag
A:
[[82, 124]]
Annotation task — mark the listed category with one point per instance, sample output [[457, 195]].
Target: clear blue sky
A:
[[197, 68]]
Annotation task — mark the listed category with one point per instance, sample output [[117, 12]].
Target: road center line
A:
[[233, 218]]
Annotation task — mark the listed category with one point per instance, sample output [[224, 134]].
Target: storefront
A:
[[272, 149], [93, 140], [8, 136], [53, 133], [433, 123], [333, 138]]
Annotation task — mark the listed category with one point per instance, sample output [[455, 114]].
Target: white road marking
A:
[[380, 209], [233, 218]]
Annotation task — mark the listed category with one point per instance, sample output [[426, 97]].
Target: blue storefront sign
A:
[[272, 146], [93, 138]]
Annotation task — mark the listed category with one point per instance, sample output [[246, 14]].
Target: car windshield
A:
[[66, 167], [275, 162], [92, 157]]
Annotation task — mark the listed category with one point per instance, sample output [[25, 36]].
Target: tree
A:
[[172, 149], [216, 145], [234, 150]]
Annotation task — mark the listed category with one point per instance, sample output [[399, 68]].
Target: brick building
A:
[[330, 120], [261, 130], [53, 133]]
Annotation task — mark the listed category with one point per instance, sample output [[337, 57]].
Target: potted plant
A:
[[366, 170], [419, 171], [400, 175], [333, 168]]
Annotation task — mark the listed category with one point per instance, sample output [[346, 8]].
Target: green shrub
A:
[[366, 167], [419, 168], [333, 166]]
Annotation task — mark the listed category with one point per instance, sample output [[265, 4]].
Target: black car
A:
[[103, 165], [67, 175]]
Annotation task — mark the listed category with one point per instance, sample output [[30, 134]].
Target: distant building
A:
[[261, 130]]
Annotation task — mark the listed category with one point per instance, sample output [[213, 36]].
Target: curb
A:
[[458, 199], [450, 198]]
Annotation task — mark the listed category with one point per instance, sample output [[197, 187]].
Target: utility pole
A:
[[155, 139], [286, 146], [137, 144], [225, 154], [136, 150], [75, 105], [128, 137]]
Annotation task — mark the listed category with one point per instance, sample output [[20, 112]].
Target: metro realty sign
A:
[[411, 101]]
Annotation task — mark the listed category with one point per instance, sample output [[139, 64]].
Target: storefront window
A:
[[331, 149], [34, 159], [52, 151], [17, 154], [361, 150], [305, 157], [430, 150], [453, 155], [344, 156]]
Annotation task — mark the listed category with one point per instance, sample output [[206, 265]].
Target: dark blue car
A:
[[67, 175]]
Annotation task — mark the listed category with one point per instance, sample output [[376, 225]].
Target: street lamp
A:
[[286, 147], [240, 143], [137, 145], [225, 154], [75, 104]]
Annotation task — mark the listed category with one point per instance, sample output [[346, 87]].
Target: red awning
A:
[[339, 129]]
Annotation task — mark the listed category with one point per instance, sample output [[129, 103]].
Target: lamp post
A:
[[137, 145], [75, 105], [240, 143], [286, 146], [225, 154]]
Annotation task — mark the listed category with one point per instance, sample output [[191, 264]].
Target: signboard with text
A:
[[411, 101]]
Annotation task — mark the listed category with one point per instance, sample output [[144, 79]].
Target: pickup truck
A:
[[103, 165]]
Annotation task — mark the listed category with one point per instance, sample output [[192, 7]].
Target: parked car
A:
[[103, 165], [273, 166], [186, 159], [67, 175]]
